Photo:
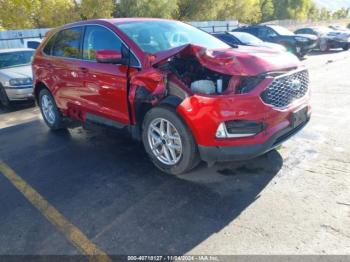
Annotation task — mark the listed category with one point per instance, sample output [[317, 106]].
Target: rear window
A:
[[13, 59]]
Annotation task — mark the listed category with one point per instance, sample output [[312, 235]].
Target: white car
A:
[[16, 75]]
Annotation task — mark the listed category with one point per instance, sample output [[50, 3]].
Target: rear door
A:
[[64, 63], [103, 90]]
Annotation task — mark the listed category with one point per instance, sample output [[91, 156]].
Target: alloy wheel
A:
[[47, 107], [165, 141]]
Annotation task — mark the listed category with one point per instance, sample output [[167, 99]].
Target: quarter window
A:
[[67, 43], [48, 47]]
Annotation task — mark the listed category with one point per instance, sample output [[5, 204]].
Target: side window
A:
[[33, 44], [67, 43], [48, 47], [228, 39], [266, 33], [253, 31], [261, 33], [99, 38], [311, 32]]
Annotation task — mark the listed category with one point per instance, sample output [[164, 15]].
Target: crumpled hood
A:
[[244, 61], [16, 72]]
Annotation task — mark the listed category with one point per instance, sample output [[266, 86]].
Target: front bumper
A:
[[17, 94], [212, 154], [338, 44], [204, 114]]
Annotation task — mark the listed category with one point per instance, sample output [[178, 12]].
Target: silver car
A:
[[16, 75]]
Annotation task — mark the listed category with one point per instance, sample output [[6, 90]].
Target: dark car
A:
[[299, 45], [327, 38], [187, 95], [246, 39]]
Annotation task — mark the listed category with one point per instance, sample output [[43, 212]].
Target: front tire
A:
[[346, 48], [49, 110], [169, 142], [324, 47]]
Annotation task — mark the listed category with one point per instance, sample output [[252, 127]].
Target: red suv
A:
[[187, 95]]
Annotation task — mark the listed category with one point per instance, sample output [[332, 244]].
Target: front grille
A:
[[286, 88]]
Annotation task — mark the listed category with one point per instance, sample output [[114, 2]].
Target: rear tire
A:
[[169, 142], [346, 48], [49, 110], [4, 100]]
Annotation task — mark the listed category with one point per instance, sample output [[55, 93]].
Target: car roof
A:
[[249, 26], [133, 19], [9, 50], [117, 21], [219, 33]]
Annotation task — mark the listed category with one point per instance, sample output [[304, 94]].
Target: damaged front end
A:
[[192, 74]]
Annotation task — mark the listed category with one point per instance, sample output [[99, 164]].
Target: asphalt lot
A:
[[292, 201]]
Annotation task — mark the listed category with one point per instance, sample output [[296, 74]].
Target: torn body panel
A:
[[147, 87], [190, 69], [174, 73]]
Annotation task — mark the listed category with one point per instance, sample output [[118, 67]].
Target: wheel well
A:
[[38, 87], [141, 109]]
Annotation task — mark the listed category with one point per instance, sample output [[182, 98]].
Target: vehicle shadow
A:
[[16, 106], [105, 184], [319, 52]]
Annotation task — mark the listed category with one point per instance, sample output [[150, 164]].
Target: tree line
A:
[[18, 14]]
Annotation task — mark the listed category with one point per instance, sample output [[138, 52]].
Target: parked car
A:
[[327, 38], [32, 43], [246, 39], [338, 27], [187, 95], [15, 75], [299, 45]]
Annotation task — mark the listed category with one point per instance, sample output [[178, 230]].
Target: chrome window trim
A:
[[86, 60]]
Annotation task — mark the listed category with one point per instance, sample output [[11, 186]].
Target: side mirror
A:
[[110, 57]]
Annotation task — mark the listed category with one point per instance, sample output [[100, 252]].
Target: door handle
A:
[[49, 65], [84, 69]]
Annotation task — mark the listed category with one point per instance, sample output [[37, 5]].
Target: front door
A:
[[104, 86]]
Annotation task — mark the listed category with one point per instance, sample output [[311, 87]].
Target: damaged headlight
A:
[[247, 84]]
